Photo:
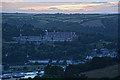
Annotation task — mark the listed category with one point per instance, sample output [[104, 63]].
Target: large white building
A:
[[49, 36]]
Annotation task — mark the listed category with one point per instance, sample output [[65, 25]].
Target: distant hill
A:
[[97, 23]]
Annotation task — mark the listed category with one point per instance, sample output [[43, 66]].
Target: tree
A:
[[36, 63], [52, 71]]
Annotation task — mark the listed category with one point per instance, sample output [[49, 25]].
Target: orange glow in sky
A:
[[60, 7]]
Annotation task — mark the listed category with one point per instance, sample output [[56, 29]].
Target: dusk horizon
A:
[[61, 7]]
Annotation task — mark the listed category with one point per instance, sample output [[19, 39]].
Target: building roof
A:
[[49, 36]]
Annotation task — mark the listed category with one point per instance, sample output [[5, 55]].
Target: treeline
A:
[[18, 53], [9, 31], [14, 53]]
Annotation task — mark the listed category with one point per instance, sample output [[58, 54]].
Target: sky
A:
[[62, 0], [63, 6]]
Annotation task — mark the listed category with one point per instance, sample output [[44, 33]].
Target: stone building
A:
[[48, 37]]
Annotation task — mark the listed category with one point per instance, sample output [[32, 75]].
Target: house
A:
[[104, 51], [61, 61], [48, 37], [26, 67], [100, 55], [54, 61], [69, 62], [89, 57], [39, 62], [94, 51], [114, 54]]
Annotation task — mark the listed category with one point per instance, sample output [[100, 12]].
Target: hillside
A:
[[107, 72], [98, 23]]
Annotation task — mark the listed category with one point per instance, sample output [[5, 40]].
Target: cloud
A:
[[31, 9], [76, 6], [62, 0], [53, 8], [35, 8], [98, 2], [114, 6], [1, 6], [62, 7], [12, 2]]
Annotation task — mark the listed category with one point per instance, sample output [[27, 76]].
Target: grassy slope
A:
[[108, 72]]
